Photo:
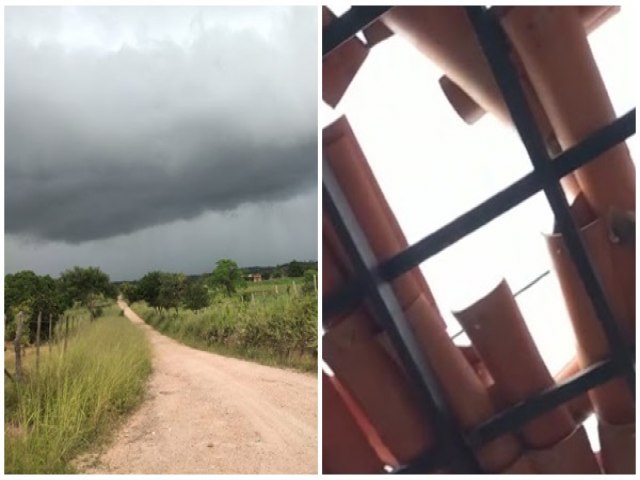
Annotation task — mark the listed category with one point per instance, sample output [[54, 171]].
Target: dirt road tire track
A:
[[206, 413]]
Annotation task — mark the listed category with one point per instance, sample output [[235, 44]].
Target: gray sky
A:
[[142, 138]]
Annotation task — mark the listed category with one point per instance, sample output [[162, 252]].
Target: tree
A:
[[50, 298], [87, 286], [277, 272], [19, 288], [32, 294], [227, 275], [148, 289], [112, 292], [309, 283], [171, 291], [129, 292], [295, 269], [196, 296]]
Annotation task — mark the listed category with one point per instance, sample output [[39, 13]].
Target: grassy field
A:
[[272, 330], [75, 399], [274, 286]]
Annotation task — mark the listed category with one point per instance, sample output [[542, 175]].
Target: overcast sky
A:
[[141, 138]]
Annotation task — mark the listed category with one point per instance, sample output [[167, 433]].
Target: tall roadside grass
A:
[[77, 397], [280, 331]]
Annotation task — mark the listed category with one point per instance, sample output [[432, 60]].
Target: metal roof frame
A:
[[371, 281]]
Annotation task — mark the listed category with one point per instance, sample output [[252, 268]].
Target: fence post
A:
[[50, 329], [315, 283], [18, 347], [295, 289], [276, 290], [66, 332], [38, 341], [253, 298]]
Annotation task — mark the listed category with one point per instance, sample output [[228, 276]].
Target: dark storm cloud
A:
[[257, 234], [100, 143]]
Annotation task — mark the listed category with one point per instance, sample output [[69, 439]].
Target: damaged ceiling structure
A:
[[398, 395]]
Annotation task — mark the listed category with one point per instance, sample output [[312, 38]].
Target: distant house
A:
[[253, 277]]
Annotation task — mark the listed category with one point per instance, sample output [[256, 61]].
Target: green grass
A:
[[279, 331], [77, 398]]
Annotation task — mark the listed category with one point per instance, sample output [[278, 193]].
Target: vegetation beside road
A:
[[77, 397], [280, 331], [272, 321]]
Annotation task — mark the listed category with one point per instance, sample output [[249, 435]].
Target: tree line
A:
[[35, 295], [164, 291], [294, 268], [90, 287]]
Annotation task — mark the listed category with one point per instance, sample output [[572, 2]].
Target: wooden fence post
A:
[[18, 347], [276, 290], [295, 289], [6, 372], [315, 283], [253, 298], [66, 332], [50, 329], [38, 341]]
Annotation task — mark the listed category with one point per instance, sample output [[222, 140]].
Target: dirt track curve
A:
[[205, 413]]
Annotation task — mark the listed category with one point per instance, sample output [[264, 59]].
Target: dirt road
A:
[[205, 413]]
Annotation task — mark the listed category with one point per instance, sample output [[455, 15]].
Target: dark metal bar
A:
[[349, 24], [596, 144], [515, 417], [342, 300], [389, 315], [443, 237], [371, 281], [425, 463], [516, 193], [493, 43], [518, 415], [457, 229]]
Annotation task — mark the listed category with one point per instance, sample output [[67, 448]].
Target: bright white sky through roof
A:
[[433, 167]]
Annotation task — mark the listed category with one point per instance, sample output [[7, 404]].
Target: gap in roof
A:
[[433, 167]]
